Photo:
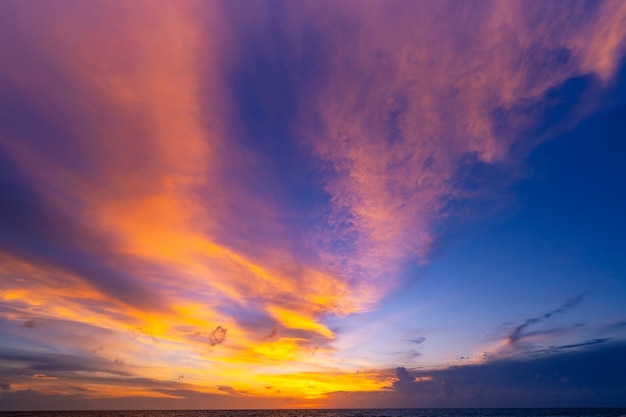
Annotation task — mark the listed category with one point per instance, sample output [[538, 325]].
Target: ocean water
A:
[[418, 412]]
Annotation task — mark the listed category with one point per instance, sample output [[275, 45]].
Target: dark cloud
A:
[[39, 363], [574, 345], [214, 337], [217, 336], [178, 399], [586, 343], [479, 392], [407, 354], [447, 389], [80, 371], [271, 334], [134, 333], [5, 386], [412, 354], [586, 374], [230, 390], [29, 324], [418, 340], [518, 333], [406, 384], [44, 332]]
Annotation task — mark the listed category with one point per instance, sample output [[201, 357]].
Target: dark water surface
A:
[[417, 412]]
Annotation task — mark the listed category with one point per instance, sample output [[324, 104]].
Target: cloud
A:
[[585, 343], [406, 384], [480, 391], [30, 324], [231, 390], [41, 364], [447, 389], [174, 399], [123, 179], [217, 336], [404, 122], [587, 376], [271, 334], [44, 376], [35, 231], [264, 165], [54, 376], [518, 332], [214, 337]]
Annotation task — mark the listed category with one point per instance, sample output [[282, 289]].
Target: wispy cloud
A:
[[583, 344], [518, 332], [402, 116]]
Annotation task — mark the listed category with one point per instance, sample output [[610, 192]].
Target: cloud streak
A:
[[518, 332]]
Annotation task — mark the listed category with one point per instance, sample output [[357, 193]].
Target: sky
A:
[[328, 204]]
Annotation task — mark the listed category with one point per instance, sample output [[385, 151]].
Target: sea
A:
[[416, 412]]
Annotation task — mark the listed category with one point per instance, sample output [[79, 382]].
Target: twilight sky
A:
[[252, 204]]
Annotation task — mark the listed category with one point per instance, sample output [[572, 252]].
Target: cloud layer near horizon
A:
[[211, 182]]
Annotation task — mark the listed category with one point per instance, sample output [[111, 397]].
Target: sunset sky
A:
[[284, 204]]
